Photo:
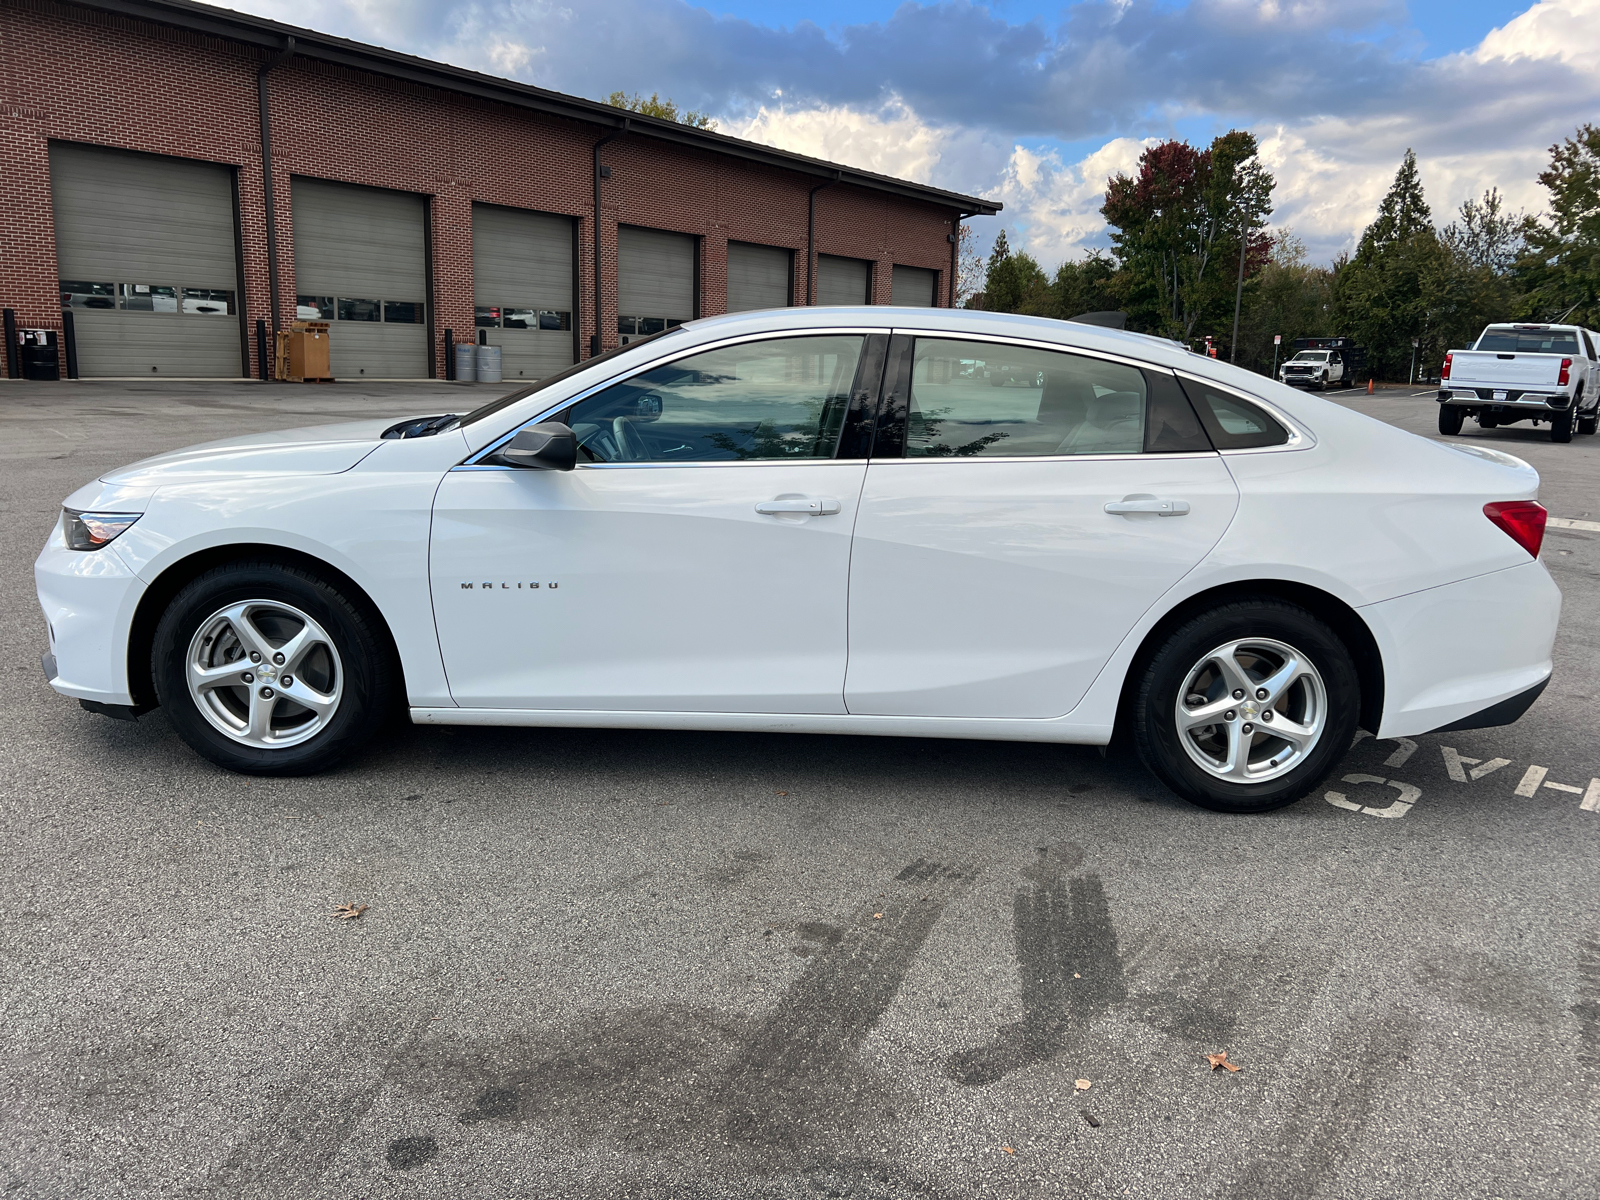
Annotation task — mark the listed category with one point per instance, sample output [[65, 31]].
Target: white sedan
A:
[[918, 523]]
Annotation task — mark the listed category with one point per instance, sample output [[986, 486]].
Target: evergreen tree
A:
[[1379, 296], [1561, 268]]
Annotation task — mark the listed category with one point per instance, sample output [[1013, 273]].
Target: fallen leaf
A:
[[1083, 1085], [780, 793], [349, 912], [1075, 975], [1221, 1060], [1094, 1121], [877, 916], [1008, 1149]]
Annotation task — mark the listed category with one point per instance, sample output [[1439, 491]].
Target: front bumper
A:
[[89, 598], [1451, 652]]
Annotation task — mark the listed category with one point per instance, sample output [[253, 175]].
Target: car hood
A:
[[314, 450]]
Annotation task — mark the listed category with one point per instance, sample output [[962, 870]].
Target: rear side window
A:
[[1232, 421], [1507, 339]]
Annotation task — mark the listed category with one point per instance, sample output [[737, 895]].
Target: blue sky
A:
[[1036, 104]]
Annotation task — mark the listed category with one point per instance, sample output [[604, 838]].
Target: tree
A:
[[1087, 285], [1485, 235], [1379, 296], [969, 267], [1181, 222], [1017, 284], [1469, 284], [1561, 268], [1291, 299], [655, 106]]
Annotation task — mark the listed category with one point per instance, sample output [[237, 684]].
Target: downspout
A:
[[266, 182], [955, 253], [811, 238], [599, 301]]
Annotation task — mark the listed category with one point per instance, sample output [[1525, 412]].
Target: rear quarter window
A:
[[1233, 422]]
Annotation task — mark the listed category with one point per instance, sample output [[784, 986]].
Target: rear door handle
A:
[[815, 506], [1147, 504]]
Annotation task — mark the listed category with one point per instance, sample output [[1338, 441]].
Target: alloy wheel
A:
[[1251, 710], [264, 673]]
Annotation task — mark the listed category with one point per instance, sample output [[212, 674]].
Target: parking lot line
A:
[[1569, 523], [1531, 780], [1591, 798]]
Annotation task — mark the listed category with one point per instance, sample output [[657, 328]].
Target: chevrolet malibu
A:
[[918, 523]]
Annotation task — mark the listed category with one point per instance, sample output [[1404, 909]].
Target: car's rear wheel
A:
[[1589, 423], [1561, 427], [1485, 421], [1449, 419], [266, 669], [1247, 707]]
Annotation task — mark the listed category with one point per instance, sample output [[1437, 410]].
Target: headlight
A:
[[91, 530]]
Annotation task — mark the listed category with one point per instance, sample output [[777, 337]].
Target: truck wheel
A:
[[1561, 427], [1449, 419], [1486, 421], [1588, 424]]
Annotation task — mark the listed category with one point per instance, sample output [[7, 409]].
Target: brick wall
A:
[[76, 75]]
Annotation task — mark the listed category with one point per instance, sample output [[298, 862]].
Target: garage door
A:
[[522, 288], [147, 259], [655, 280], [912, 285], [758, 276], [842, 280], [360, 261]]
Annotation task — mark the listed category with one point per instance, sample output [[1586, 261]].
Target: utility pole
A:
[[1238, 295], [1277, 340], [1413, 361]]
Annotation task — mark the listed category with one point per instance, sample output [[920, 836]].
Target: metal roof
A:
[[308, 43]]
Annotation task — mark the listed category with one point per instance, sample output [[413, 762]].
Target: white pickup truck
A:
[[1523, 373], [1316, 368]]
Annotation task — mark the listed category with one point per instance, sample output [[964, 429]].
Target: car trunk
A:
[[1516, 370]]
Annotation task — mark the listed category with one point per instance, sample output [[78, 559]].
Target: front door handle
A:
[[1148, 504], [814, 506]]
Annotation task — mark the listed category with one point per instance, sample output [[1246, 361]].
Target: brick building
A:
[[403, 200]]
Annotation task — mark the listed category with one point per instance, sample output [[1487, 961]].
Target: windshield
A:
[[494, 406], [1507, 339], [1311, 356]]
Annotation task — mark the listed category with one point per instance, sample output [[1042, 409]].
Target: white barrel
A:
[[466, 362], [488, 364]]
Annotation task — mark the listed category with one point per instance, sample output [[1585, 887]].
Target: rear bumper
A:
[[1513, 399], [1458, 652], [1507, 712]]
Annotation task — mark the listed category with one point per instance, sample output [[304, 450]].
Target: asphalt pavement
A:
[[678, 966]]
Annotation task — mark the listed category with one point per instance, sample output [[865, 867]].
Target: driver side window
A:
[[780, 399]]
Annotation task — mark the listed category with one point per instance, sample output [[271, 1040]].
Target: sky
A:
[[1037, 104]]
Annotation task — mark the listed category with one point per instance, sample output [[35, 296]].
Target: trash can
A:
[[466, 362], [41, 359], [488, 364]]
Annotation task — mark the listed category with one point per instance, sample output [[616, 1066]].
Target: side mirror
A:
[[548, 446]]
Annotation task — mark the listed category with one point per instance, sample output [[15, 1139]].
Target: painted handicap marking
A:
[[1534, 778], [1453, 764], [1409, 795], [1399, 757]]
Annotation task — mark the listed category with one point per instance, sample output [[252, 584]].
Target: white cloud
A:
[[891, 140], [1565, 30]]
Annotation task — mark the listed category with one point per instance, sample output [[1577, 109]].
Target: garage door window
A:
[[147, 297], [352, 308], [782, 399], [494, 316]]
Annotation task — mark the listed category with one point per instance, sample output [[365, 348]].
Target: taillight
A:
[[1522, 520], [1445, 371], [1566, 366]]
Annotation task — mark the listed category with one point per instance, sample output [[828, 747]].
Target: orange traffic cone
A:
[[1369, 387]]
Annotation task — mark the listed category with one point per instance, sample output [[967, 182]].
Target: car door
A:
[[695, 560], [1010, 536]]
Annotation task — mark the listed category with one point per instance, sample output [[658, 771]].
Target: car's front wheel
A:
[[1247, 707], [264, 668], [1449, 419]]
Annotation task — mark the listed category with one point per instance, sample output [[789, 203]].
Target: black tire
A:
[[1449, 419], [1588, 423], [1485, 421], [1156, 731], [367, 676], [1561, 427]]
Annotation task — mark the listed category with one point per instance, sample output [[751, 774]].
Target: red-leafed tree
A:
[[1182, 225]]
